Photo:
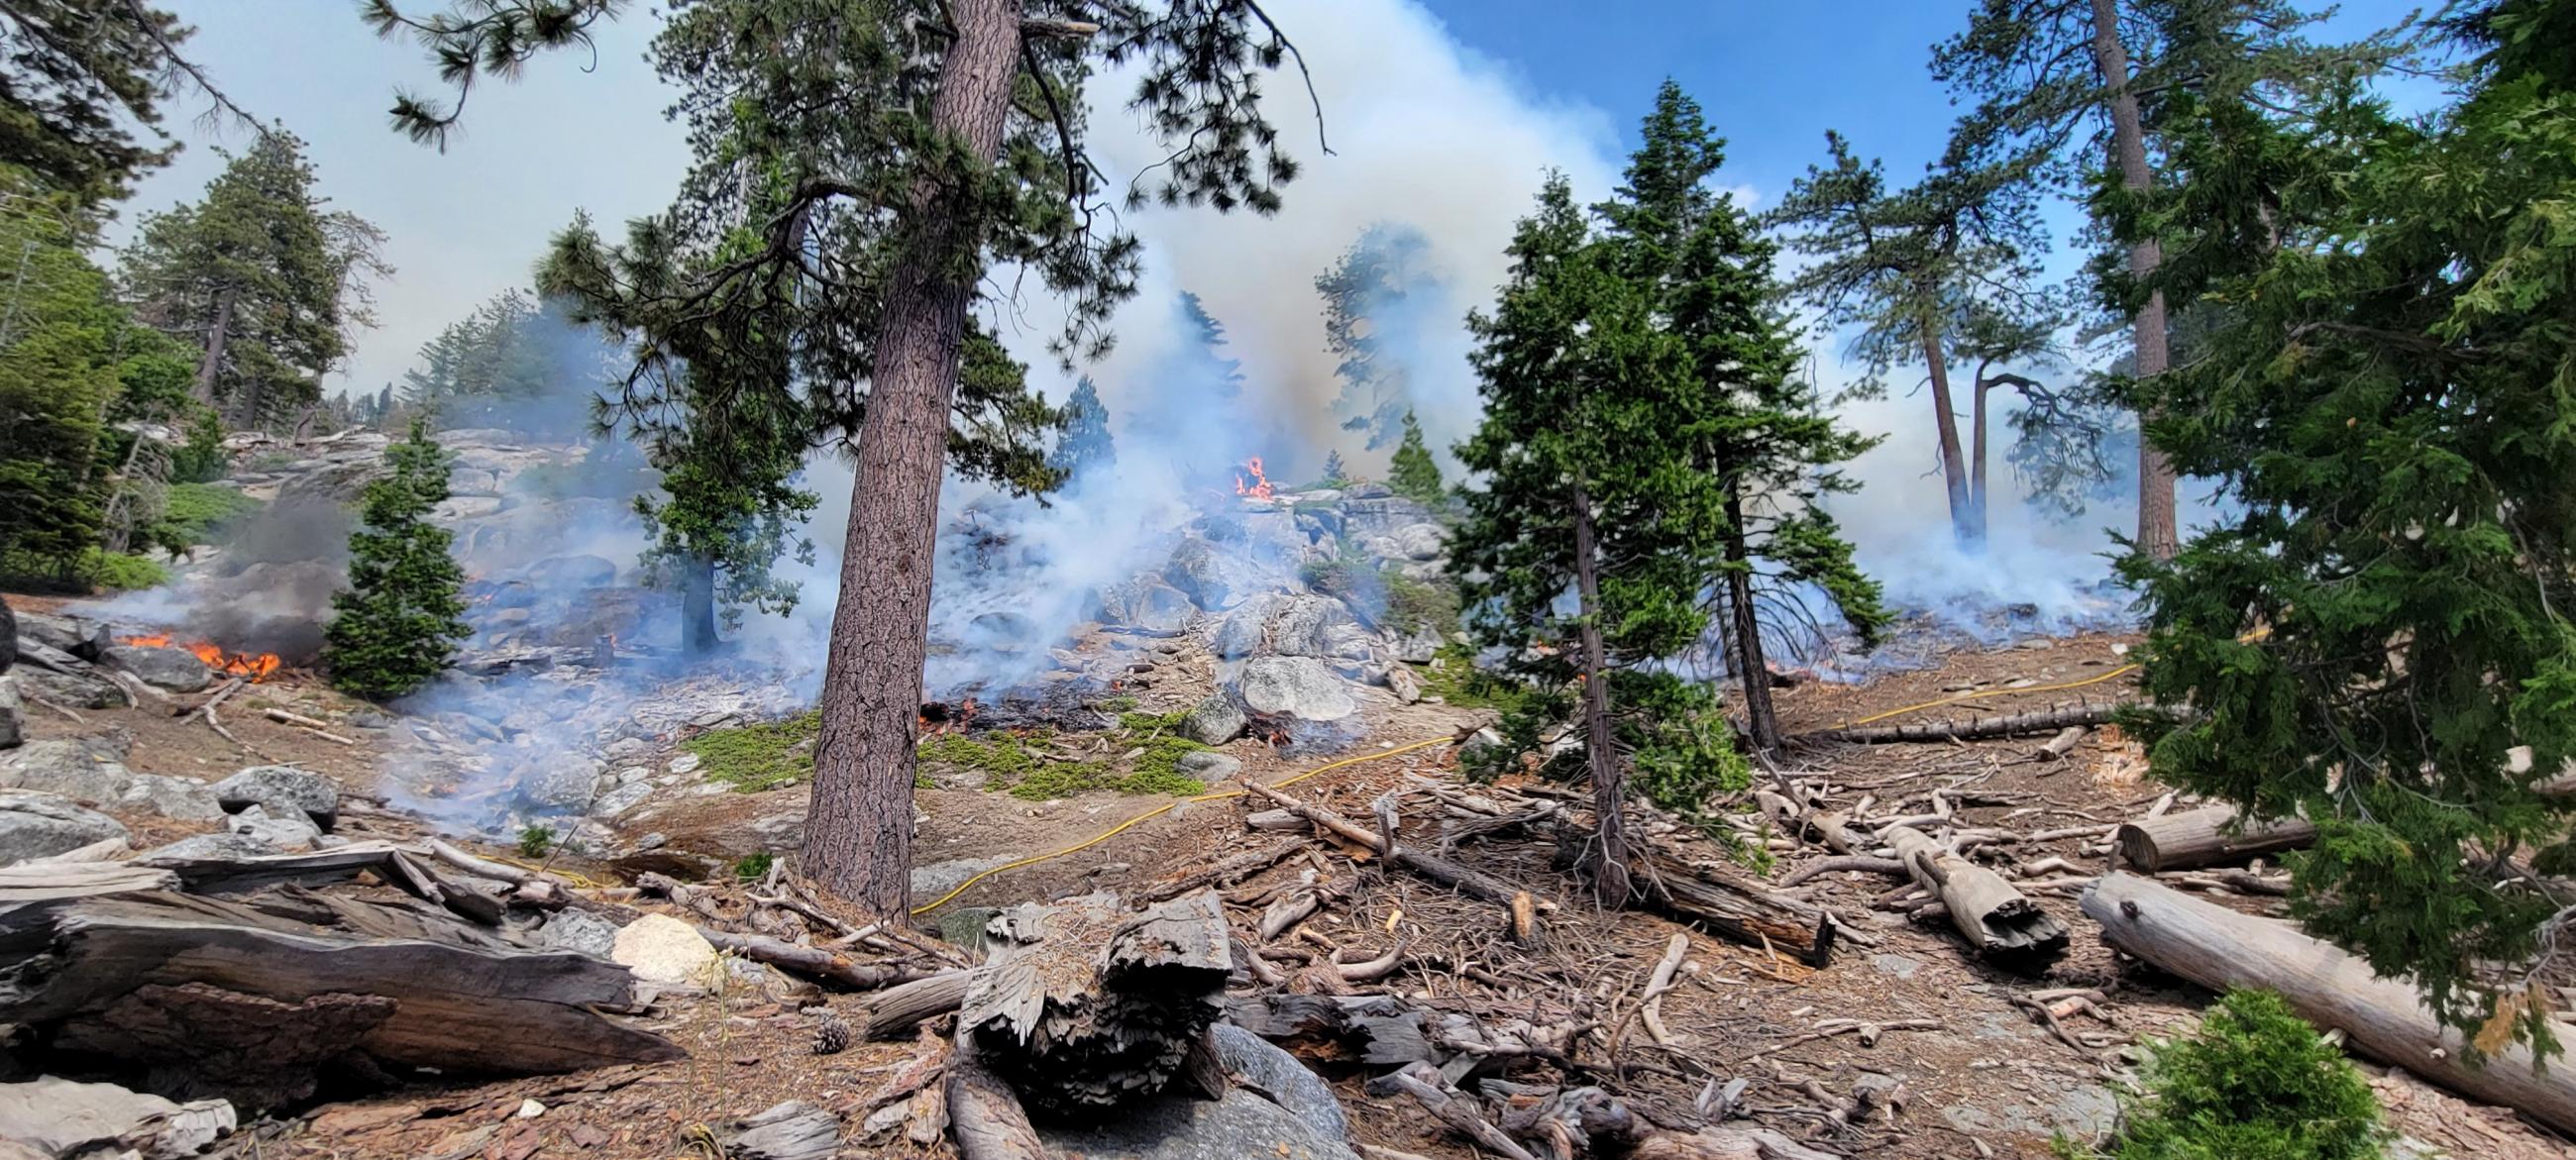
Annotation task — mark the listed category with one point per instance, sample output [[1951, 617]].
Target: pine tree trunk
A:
[[212, 364], [698, 604], [2157, 536], [1609, 859], [1977, 455], [1759, 719], [858, 837], [1954, 474]]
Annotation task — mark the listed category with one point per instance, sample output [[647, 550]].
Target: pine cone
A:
[[833, 1037]]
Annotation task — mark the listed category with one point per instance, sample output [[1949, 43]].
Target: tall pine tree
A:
[[1412, 472], [1588, 478], [1762, 431], [1374, 293], [396, 623], [1085, 447]]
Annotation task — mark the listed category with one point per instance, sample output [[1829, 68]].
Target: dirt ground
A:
[[1980, 1077]]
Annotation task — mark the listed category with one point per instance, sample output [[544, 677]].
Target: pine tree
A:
[[1764, 434], [1587, 478], [1217, 377], [261, 277], [2379, 639], [925, 147], [59, 378], [1412, 473], [1373, 295], [1335, 475], [397, 621], [1084, 447], [78, 77]]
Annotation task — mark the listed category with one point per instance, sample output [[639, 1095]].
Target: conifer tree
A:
[[77, 78], [1764, 434], [1373, 295], [1335, 475], [1587, 478], [59, 380], [397, 621], [1412, 473], [1084, 447], [2380, 638]]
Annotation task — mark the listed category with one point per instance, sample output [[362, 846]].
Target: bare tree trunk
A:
[[2156, 533], [1609, 781], [698, 604], [1954, 474], [1977, 454], [858, 841], [1759, 719], [212, 364]]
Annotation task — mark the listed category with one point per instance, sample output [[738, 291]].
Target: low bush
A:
[[2256, 1082], [764, 755]]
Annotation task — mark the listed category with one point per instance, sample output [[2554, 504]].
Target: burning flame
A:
[[1260, 487], [250, 666]]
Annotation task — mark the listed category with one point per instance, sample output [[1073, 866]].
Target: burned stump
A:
[[1083, 1005]]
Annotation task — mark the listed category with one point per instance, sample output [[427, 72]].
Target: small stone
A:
[[530, 1109], [291, 832], [585, 1136], [684, 763], [1208, 765], [653, 841]]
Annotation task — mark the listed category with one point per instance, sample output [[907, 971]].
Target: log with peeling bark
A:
[[1082, 1005], [2382, 1018], [1999, 922], [1967, 728], [896, 1009], [814, 962], [2205, 837], [1729, 904], [257, 1002], [984, 1114]]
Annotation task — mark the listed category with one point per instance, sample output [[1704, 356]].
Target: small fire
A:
[[250, 666], [1260, 487]]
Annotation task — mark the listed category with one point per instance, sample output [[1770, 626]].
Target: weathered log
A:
[[1228, 872], [2203, 837], [1423, 1083], [48, 881], [1732, 905], [814, 962], [2382, 1018], [1999, 922], [2059, 746], [896, 1009], [1967, 728], [984, 1115], [1082, 1005], [255, 1000]]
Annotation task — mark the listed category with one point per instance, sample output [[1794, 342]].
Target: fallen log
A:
[[321, 729], [1082, 1005], [984, 1115], [1967, 728], [1471, 882], [814, 962], [896, 1009], [2000, 923], [254, 1003], [2382, 1018], [2205, 837], [1727, 903]]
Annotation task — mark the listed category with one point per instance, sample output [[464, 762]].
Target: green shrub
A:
[[1420, 605], [536, 841], [1454, 677], [195, 512], [754, 867], [121, 571], [764, 755], [2256, 1082], [398, 618]]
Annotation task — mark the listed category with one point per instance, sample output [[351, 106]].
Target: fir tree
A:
[[1374, 293], [1084, 447], [397, 621], [1335, 475], [77, 78], [1216, 377], [266, 282], [2379, 638], [1763, 433], [1587, 478], [1412, 473], [59, 379]]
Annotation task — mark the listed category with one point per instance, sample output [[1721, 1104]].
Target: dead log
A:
[[1732, 905], [1228, 872], [1082, 1005], [1967, 728], [226, 998], [1999, 922], [2382, 1018], [814, 962], [48, 881], [321, 729], [896, 1009], [2059, 746], [1471, 882], [2205, 837], [1424, 1083], [984, 1115]]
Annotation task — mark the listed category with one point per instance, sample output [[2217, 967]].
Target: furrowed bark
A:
[[2382, 1018], [698, 604], [859, 835], [1609, 860], [1759, 719], [1970, 729], [1954, 474], [2201, 838], [2156, 532]]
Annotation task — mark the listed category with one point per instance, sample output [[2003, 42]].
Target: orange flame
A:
[[1260, 487], [254, 667]]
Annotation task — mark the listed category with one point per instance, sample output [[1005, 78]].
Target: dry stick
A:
[[65, 710], [1230, 871], [1651, 1012], [1454, 1112], [812, 961], [1474, 883], [230, 687], [1823, 866], [319, 728], [1871, 1031]]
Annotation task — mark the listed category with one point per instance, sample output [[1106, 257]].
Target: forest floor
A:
[[1980, 1077]]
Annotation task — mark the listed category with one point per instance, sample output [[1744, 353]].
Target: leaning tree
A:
[[934, 159]]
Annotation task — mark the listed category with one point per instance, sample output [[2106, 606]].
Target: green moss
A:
[[1010, 764], [1453, 675], [753, 867], [761, 756], [1118, 704]]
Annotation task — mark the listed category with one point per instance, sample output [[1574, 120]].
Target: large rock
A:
[[1423, 541], [1299, 687], [1414, 648], [181, 798], [59, 1117], [174, 669], [38, 825], [1214, 721], [69, 690], [288, 830], [1245, 631], [336, 481], [1280, 1110], [79, 636], [571, 573], [578, 930], [283, 792], [563, 785], [1314, 626], [1383, 516], [662, 949], [90, 771], [13, 716], [1217, 577]]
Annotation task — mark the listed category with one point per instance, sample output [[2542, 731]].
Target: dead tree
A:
[[1999, 922], [1969, 728], [2205, 837]]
